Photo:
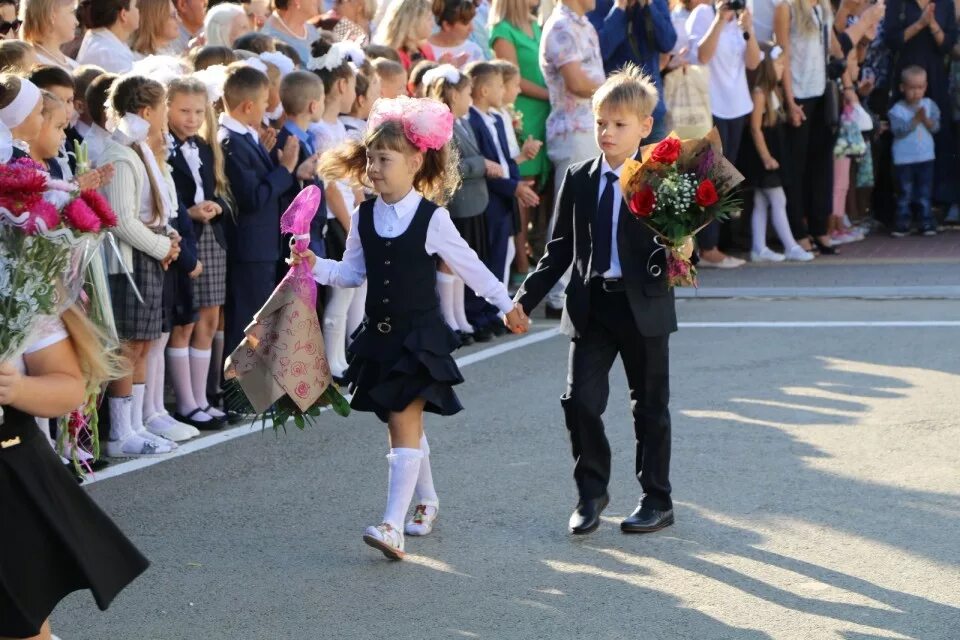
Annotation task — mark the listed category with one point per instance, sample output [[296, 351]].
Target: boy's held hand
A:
[[517, 321], [494, 170], [268, 138]]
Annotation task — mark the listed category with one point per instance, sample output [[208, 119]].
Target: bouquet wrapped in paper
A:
[[677, 189], [280, 370], [50, 232]]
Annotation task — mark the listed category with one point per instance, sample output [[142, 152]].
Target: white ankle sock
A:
[[216, 365], [136, 407], [120, 411], [404, 468], [459, 306], [178, 362], [425, 491], [199, 367], [445, 290]]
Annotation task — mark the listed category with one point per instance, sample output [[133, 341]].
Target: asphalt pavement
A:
[[815, 474]]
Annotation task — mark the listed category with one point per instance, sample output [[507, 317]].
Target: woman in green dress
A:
[[515, 36]]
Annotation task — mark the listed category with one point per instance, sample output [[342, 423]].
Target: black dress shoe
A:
[[466, 339], [646, 520], [586, 517], [482, 334], [553, 314], [499, 329]]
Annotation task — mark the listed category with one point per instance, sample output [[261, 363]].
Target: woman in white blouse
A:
[[47, 25], [723, 40], [110, 24]]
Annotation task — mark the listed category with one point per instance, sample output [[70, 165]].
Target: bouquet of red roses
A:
[[678, 188]]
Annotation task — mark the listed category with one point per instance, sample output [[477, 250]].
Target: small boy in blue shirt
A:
[[914, 119]]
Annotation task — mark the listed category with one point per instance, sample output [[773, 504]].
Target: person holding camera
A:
[[722, 38], [637, 31]]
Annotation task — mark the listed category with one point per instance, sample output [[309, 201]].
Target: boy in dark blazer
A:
[[505, 188], [617, 303], [253, 233]]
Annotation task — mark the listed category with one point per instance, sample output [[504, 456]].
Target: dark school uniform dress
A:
[[55, 539]]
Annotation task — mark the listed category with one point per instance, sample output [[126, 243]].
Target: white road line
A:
[[214, 439]]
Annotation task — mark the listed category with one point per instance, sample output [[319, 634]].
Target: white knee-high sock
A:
[[402, 479], [216, 365], [459, 305], [425, 491], [199, 368], [178, 365], [136, 407], [120, 411], [758, 221], [357, 310], [153, 401], [511, 254], [778, 216], [335, 328], [445, 290]]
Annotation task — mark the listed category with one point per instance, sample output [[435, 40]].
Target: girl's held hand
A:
[[11, 381], [197, 271], [770, 163], [106, 174], [797, 116], [89, 180], [517, 321], [296, 257]]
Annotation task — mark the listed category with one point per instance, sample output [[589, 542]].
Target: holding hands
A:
[[204, 211], [517, 321]]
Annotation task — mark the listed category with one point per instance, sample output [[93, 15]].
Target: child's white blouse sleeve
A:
[[444, 240], [351, 270]]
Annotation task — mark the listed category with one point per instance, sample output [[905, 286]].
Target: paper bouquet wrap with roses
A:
[[677, 189], [280, 371]]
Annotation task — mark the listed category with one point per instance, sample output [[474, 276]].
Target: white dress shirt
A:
[[102, 48], [490, 121], [191, 154], [443, 239], [614, 271], [95, 137], [231, 123]]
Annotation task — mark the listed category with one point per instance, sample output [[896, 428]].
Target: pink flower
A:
[[44, 212], [100, 207], [302, 390], [298, 369], [81, 217]]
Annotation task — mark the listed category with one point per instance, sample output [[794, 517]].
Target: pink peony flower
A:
[[302, 390], [43, 212], [100, 207], [81, 217]]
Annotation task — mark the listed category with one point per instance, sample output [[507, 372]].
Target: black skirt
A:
[[392, 367], [474, 231], [756, 174], [55, 539]]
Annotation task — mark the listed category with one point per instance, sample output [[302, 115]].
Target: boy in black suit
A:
[[615, 305], [503, 185], [253, 234]]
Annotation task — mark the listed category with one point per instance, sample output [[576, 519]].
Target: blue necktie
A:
[[502, 138], [603, 227]]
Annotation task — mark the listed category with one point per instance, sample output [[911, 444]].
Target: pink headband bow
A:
[[428, 124]]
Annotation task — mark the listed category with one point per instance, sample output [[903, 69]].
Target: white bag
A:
[[687, 96], [862, 118]]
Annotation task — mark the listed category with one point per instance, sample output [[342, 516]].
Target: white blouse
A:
[[443, 239], [102, 48]]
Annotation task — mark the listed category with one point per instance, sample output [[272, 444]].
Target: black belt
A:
[[611, 285]]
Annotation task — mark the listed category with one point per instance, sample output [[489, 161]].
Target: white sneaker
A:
[[170, 429], [385, 539], [728, 262], [136, 445], [798, 254], [152, 437], [766, 255], [421, 524]]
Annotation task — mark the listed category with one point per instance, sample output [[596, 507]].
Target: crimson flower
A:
[[642, 202], [44, 212], [100, 207], [667, 151], [81, 217], [706, 194]]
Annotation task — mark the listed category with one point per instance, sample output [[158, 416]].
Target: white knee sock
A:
[[357, 310], [199, 368], [425, 492], [153, 400], [511, 254], [778, 216], [758, 221], [459, 305], [120, 411], [404, 468], [445, 290], [216, 365], [335, 328], [136, 408], [178, 364]]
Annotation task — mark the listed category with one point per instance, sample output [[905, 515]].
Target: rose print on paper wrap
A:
[[302, 390], [298, 369]]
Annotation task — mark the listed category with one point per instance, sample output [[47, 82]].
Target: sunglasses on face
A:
[[6, 27]]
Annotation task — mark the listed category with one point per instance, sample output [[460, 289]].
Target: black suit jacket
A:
[[651, 300], [502, 190], [253, 234], [317, 245], [186, 188]]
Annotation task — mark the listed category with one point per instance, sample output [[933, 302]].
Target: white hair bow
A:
[[446, 71], [6, 144], [213, 77], [338, 53], [280, 61], [255, 63]]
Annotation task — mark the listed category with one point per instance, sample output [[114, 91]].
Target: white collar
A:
[[231, 123], [82, 128], [487, 116], [404, 207], [605, 166], [109, 35]]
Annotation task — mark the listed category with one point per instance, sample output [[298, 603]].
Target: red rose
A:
[[707, 194], [667, 151], [643, 202]]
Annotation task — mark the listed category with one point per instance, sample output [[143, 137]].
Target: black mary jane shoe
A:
[[499, 329], [466, 339], [207, 409], [586, 517], [203, 425], [647, 520], [482, 334]]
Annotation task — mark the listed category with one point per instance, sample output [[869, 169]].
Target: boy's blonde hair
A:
[[386, 68], [630, 89], [298, 89]]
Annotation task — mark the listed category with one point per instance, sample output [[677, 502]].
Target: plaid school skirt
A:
[[139, 320], [210, 287]]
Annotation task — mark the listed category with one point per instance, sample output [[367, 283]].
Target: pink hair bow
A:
[[428, 124]]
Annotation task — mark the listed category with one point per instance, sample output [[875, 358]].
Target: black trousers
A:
[[249, 284], [612, 331], [731, 134], [810, 193]]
